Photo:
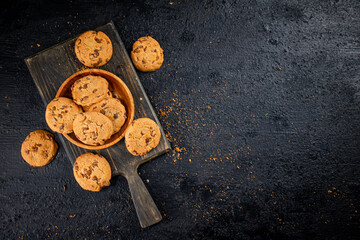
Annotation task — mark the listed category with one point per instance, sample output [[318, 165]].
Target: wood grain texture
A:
[[51, 67]]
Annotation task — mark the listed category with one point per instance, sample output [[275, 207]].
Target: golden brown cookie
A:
[[147, 55], [113, 109], [93, 49], [93, 128], [142, 136], [60, 114], [89, 90], [39, 148], [92, 172]]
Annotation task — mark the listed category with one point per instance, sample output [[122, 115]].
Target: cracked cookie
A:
[[89, 90], [142, 136], [93, 128], [60, 114], [92, 172], [93, 49], [39, 148], [147, 55], [113, 109]]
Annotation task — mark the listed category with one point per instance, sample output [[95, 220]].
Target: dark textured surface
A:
[[260, 100]]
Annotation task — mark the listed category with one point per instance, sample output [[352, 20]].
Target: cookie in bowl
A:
[[113, 109], [89, 90], [93, 128]]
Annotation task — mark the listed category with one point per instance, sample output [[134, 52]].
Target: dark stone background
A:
[[260, 100]]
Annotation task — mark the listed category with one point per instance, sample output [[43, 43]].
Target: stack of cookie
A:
[[103, 116]]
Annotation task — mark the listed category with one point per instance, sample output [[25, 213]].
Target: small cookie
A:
[[93, 128], [93, 49], [39, 148], [92, 172], [113, 109], [60, 114], [89, 90], [142, 136], [147, 55]]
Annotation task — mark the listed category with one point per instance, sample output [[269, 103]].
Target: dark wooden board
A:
[[51, 67]]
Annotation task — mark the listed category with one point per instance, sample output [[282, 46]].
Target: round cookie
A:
[[60, 114], [39, 148], [93, 128], [93, 49], [89, 90], [92, 172], [147, 55], [142, 136], [113, 109]]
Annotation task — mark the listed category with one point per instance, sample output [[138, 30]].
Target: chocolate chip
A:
[[140, 46], [89, 121], [95, 178], [153, 134], [154, 50], [95, 90], [98, 40], [145, 49], [95, 163], [96, 52], [116, 115], [60, 116], [103, 105], [102, 111], [135, 152], [143, 61], [85, 86], [157, 58], [62, 127], [45, 154], [142, 134], [85, 128], [53, 108], [95, 107], [76, 166], [137, 51], [84, 98], [27, 151], [147, 140], [35, 149]]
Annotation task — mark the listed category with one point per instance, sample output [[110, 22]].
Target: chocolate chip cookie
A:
[[113, 109], [89, 90], [93, 128], [92, 172], [142, 136], [39, 148], [147, 55], [60, 114], [93, 49]]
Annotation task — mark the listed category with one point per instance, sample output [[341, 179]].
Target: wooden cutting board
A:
[[51, 67]]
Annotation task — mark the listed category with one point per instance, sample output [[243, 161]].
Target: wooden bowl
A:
[[118, 88]]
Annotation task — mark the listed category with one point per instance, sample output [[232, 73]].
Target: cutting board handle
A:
[[146, 209]]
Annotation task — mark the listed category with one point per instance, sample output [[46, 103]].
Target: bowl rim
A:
[[103, 73]]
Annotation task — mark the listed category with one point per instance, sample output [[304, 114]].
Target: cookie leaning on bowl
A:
[[60, 114]]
